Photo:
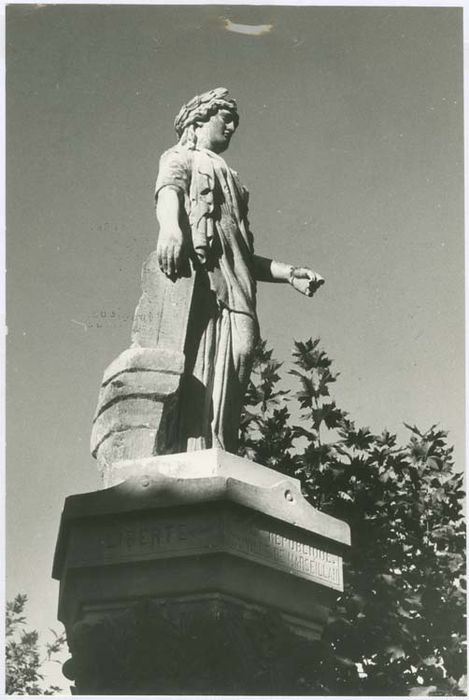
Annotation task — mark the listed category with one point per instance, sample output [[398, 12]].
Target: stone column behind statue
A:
[[138, 401]]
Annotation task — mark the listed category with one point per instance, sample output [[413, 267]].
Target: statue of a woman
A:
[[202, 211]]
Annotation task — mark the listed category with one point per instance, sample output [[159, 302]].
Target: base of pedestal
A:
[[211, 644], [198, 574]]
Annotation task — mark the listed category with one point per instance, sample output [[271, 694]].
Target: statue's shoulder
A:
[[177, 154], [175, 169]]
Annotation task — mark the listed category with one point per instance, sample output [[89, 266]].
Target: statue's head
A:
[[208, 121]]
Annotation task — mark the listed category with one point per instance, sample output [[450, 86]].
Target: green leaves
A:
[[399, 626]]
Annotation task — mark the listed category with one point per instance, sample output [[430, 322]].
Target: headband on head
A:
[[201, 106]]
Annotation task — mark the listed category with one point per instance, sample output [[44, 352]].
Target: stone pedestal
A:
[[195, 573]]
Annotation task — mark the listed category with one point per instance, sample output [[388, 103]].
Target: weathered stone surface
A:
[[138, 383], [149, 537], [227, 506], [133, 412], [202, 534], [136, 406], [123, 444], [210, 644], [143, 358], [160, 320], [210, 474]]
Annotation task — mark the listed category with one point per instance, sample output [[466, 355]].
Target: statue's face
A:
[[215, 134]]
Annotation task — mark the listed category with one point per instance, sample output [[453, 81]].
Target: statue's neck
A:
[[210, 153]]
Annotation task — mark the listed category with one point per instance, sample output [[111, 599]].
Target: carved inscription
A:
[[166, 536], [252, 537], [291, 555], [145, 537]]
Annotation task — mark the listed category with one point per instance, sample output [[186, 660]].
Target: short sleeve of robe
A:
[[174, 170]]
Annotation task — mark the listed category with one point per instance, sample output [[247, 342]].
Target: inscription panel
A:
[[255, 541], [150, 536], [253, 537]]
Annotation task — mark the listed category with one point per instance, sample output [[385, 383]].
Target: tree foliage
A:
[[23, 659], [399, 626]]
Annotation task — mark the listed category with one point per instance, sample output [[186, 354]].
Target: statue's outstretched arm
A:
[[303, 279]]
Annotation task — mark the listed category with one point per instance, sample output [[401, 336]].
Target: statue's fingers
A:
[[302, 286], [316, 280], [314, 285], [166, 262], [181, 260], [177, 262], [303, 272], [172, 262], [160, 258], [307, 274], [169, 262]]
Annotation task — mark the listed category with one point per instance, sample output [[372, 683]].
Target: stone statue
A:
[[187, 546], [199, 291]]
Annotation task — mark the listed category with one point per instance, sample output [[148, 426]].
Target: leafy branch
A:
[[399, 626]]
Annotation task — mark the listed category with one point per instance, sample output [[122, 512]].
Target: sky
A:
[[351, 145]]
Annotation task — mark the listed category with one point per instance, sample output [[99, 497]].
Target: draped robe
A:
[[223, 326]]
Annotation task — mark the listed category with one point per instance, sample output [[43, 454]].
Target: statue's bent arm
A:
[[267, 270], [302, 279], [172, 249]]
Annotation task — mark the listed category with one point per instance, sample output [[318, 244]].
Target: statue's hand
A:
[[170, 252], [305, 280]]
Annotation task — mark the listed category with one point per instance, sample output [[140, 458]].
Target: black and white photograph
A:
[[235, 407]]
